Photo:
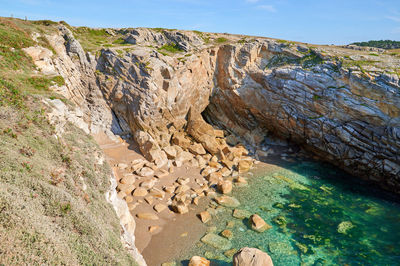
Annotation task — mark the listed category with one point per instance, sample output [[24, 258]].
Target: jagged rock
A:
[[227, 234], [251, 257], [225, 172], [136, 165], [179, 207], [149, 199], [149, 183], [205, 216], [170, 152], [197, 149], [145, 171], [150, 149], [198, 261], [214, 178], [157, 193], [159, 207], [258, 224], [147, 216], [180, 140], [183, 181], [140, 192], [181, 188], [202, 133], [129, 199], [128, 180], [225, 186], [227, 201], [216, 241], [126, 188], [169, 189], [244, 165]]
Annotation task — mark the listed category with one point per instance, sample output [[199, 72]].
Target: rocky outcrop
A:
[[338, 103]]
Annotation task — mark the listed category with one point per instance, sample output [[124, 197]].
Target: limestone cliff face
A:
[[341, 104], [345, 118]]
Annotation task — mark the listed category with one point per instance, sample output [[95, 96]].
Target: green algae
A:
[[318, 217]]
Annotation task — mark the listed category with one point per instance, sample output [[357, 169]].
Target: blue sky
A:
[[312, 21]]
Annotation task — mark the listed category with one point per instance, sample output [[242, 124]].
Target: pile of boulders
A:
[[199, 146]]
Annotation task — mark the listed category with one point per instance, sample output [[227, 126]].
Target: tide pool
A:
[[319, 216]]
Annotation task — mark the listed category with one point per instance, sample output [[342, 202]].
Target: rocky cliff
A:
[[341, 104]]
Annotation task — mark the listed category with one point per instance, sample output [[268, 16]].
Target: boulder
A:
[[180, 140], [159, 207], [145, 171], [170, 152], [241, 214], [216, 241], [198, 261], [227, 201], [179, 207], [205, 216], [140, 192], [150, 149], [251, 257], [245, 165], [225, 186], [258, 224], [202, 132], [227, 234], [197, 149], [147, 216]]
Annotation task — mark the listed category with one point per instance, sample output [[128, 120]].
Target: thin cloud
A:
[[397, 19], [269, 8], [252, 1]]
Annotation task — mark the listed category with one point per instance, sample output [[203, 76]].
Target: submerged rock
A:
[[227, 201], [258, 224], [251, 257], [241, 214], [216, 241]]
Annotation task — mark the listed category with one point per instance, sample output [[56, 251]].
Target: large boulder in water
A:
[[251, 257]]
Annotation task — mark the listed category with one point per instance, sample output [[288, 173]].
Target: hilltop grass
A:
[[170, 48], [53, 209], [93, 40]]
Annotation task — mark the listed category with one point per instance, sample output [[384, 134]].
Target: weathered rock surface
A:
[[198, 261], [347, 114], [251, 257]]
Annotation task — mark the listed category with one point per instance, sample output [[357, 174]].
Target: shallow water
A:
[[319, 216]]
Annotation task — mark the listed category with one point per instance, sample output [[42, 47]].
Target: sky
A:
[[310, 21]]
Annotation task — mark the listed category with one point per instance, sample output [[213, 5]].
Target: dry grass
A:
[[53, 209]]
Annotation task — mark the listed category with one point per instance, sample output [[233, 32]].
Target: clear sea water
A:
[[319, 216]]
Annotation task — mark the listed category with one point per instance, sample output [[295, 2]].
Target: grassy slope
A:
[[46, 215]]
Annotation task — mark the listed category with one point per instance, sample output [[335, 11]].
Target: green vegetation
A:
[[171, 48], [221, 40], [93, 40], [52, 205], [307, 61], [384, 44]]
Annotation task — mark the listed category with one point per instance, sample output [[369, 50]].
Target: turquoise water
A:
[[319, 216]]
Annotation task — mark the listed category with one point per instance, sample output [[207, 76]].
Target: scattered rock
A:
[[145, 172], [244, 165], [251, 257], [205, 216], [241, 181], [258, 224], [147, 216], [140, 192], [225, 186], [180, 208], [170, 152], [122, 166], [197, 149], [198, 261], [159, 207], [149, 199], [216, 241], [128, 180], [153, 228], [227, 201], [241, 214], [227, 234]]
